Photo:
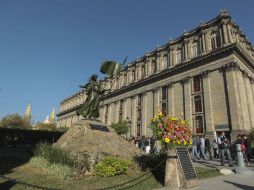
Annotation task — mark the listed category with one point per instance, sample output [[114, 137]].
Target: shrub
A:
[[112, 166], [121, 127], [54, 155], [59, 170], [14, 121]]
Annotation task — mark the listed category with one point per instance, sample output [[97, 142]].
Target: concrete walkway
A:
[[243, 181], [230, 182]]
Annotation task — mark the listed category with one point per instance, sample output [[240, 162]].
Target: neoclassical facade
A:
[[206, 76]]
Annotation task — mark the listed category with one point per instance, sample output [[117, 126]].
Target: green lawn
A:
[[17, 174]]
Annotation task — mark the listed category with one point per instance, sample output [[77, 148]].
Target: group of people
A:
[[245, 144], [221, 146], [145, 144]]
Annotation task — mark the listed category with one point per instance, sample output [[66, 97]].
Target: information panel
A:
[[186, 163]]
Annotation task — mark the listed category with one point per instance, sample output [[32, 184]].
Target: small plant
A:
[[121, 127], [54, 155], [112, 166]]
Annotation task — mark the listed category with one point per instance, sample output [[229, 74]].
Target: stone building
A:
[[206, 75]]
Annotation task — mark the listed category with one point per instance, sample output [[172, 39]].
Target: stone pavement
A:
[[229, 182], [243, 181]]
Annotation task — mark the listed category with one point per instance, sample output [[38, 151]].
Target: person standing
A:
[[194, 149], [208, 147], [215, 149], [224, 149], [202, 148]]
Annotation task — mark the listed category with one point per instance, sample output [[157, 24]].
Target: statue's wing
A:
[[111, 68]]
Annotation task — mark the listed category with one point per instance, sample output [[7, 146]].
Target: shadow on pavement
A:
[[244, 187]]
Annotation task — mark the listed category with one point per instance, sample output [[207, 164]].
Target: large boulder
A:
[[96, 140]]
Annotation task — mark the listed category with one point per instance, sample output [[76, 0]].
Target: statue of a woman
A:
[[91, 107]]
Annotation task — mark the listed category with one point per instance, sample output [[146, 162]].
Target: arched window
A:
[[198, 103], [215, 40]]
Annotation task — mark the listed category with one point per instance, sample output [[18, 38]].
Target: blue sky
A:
[[49, 47]]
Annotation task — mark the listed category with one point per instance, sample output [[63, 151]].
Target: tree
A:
[[121, 127], [14, 121]]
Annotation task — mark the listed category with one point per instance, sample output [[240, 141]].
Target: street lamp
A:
[[129, 127]]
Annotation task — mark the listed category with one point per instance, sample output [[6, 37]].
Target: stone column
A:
[[149, 112], [188, 102], [117, 111], [178, 96], [225, 32], [249, 100], [156, 104], [128, 108], [203, 41], [171, 101], [229, 28], [112, 113], [185, 49], [144, 114], [207, 99], [133, 115], [243, 102]]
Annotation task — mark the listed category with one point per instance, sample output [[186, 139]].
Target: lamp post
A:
[[129, 127]]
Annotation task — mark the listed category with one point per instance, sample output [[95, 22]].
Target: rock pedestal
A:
[[96, 138]]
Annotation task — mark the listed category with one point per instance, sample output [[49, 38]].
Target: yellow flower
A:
[[167, 140], [178, 142], [185, 143], [190, 142]]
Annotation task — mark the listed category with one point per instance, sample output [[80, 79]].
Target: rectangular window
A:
[[164, 62], [154, 67], [164, 92], [140, 100], [179, 57], [139, 115], [138, 130], [196, 84], [120, 116], [198, 104], [121, 105], [164, 108], [133, 75], [199, 125], [142, 71]]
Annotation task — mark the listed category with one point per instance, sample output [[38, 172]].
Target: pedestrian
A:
[[152, 143], [194, 149], [247, 147], [215, 149], [208, 147], [202, 148], [224, 146]]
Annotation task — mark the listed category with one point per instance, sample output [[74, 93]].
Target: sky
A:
[[49, 47]]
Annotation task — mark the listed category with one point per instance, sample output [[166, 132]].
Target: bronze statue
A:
[[91, 107]]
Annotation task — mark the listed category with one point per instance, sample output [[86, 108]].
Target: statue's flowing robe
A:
[[92, 104]]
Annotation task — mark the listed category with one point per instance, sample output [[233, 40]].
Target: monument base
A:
[[174, 175]]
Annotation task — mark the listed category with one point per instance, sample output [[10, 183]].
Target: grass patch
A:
[[59, 170], [203, 173], [53, 155]]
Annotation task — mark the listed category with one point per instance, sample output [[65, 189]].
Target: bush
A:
[[112, 166], [59, 170], [53, 155], [121, 127]]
